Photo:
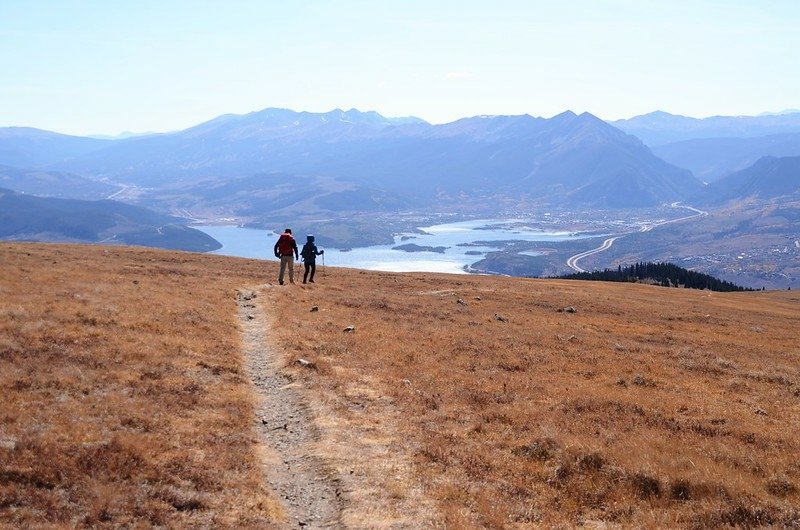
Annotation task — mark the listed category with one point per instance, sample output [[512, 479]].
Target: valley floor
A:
[[131, 397]]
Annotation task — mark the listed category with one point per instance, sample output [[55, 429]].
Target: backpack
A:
[[285, 244], [308, 252]]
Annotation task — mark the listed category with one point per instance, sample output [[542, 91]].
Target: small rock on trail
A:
[[306, 363]]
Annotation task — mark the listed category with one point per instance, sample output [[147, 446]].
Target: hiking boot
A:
[[281, 282], [310, 281]]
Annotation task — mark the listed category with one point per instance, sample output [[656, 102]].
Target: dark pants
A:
[[310, 269]]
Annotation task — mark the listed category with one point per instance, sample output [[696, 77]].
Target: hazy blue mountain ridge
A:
[[613, 169], [516, 155], [54, 184], [233, 146], [26, 217], [568, 159], [660, 127], [768, 178], [711, 158], [29, 148]]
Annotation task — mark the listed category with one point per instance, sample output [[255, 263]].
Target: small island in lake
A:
[[412, 247]]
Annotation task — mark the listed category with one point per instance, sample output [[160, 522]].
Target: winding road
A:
[[572, 262]]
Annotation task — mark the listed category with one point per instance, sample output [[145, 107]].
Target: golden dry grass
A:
[[647, 407], [125, 400], [123, 395]]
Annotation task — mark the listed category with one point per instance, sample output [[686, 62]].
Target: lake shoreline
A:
[[449, 248]]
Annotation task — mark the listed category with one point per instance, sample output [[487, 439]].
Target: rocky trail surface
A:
[[310, 494]]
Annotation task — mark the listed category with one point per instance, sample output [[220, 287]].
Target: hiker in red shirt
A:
[[286, 250]]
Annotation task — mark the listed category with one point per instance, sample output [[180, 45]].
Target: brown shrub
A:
[[781, 487], [680, 490], [590, 462], [541, 450], [738, 516], [645, 486]]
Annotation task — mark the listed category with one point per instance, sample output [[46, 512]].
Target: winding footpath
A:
[[572, 262], [310, 493]]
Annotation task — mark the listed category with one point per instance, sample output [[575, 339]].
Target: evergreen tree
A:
[[663, 274]]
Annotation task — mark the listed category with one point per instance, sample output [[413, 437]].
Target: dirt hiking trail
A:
[[310, 494]]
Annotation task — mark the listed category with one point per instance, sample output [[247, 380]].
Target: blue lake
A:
[[252, 243]]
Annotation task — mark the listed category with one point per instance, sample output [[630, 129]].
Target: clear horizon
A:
[[126, 132], [102, 68]]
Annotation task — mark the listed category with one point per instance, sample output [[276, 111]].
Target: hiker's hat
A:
[[310, 237]]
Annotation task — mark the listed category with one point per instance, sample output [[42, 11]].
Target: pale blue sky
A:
[[91, 67]]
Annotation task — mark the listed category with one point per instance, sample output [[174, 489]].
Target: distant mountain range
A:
[[711, 158], [567, 160], [54, 184], [714, 147], [768, 178], [28, 218], [121, 136], [358, 178], [780, 112], [659, 127], [281, 164], [29, 148]]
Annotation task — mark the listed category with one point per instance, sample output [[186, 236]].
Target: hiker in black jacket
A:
[[309, 254]]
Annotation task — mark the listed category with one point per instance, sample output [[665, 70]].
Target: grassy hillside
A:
[[644, 407], [457, 401], [123, 393]]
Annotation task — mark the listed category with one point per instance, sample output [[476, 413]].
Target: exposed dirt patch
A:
[[308, 489]]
